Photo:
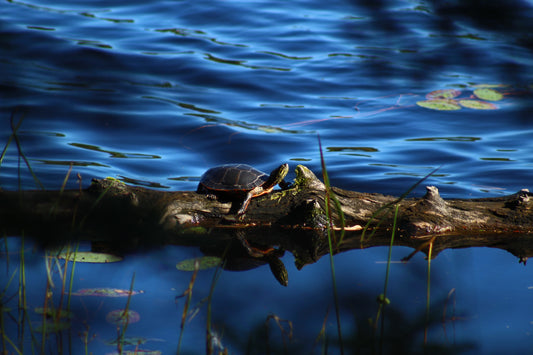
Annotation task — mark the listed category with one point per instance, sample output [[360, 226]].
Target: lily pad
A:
[[486, 86], [52, 327], [121, 317], [488, 94], [132, 341], [443, 94], [439, 104], [478, 105], [204, 263], [105, 292], [50, 313], [137, 352], [90, 257]]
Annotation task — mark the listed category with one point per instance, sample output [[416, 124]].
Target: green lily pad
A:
[[90, 257], [121, 317], [50, 313], [486, 86], [132, 341], [137, 352], [52, 327], [105, 292], [204, 263], [443, 94], [440, 104], [488, 94], [478, 105]]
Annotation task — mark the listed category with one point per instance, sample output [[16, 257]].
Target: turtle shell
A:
[[232, 177]]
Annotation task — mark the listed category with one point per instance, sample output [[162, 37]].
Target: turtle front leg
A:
[[245, 203]]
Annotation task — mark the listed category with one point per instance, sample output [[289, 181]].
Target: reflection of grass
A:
[[285, 334], [212, 338], [4, 309], [188, 293], [23, 315], [14, 136], [121, 332]]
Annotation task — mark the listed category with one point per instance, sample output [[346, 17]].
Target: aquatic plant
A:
[[447, 99], [330, 196]]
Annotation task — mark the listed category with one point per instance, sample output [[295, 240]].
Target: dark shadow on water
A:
[[403, 333], [454, 23]]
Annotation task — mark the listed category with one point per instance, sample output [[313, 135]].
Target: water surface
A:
[[154, 93]]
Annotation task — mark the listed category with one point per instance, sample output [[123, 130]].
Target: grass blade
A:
[[331, 235], [14, 129], [387, 207]]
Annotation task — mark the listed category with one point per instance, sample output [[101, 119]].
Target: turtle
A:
[[237, 182]]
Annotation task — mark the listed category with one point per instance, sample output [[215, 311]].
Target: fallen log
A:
[[295, 219]]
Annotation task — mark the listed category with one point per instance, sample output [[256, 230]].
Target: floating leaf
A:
[[486, 86], [205, 262], [478, 105], [53, 313], [132, 341], [443, 94], [121, 317], [449, 139], [441, 105], [496, 159], [90, 257], [488, 94], [52, 327], [105, 292], [137, 352]]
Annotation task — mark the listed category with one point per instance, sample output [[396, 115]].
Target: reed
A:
[[330, 196], [23, 314], [14, 128], [286, 335], [387, 208], [210, 335], [382, 299], [125, 314], [322, 335], [333, 213], [6, 247], [188, 293], [47, 297], [428, 290], [22, 305], [3, 310], [62, 189]]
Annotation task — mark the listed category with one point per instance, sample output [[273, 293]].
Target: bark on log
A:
[[131, 217]]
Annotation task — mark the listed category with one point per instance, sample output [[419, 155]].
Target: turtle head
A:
[[277, 175]]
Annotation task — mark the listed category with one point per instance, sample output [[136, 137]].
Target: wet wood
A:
[[294, 219]]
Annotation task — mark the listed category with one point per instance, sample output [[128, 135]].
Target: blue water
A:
[[154, 93]]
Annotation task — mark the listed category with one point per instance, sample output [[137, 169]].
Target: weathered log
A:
[[295, 219]]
